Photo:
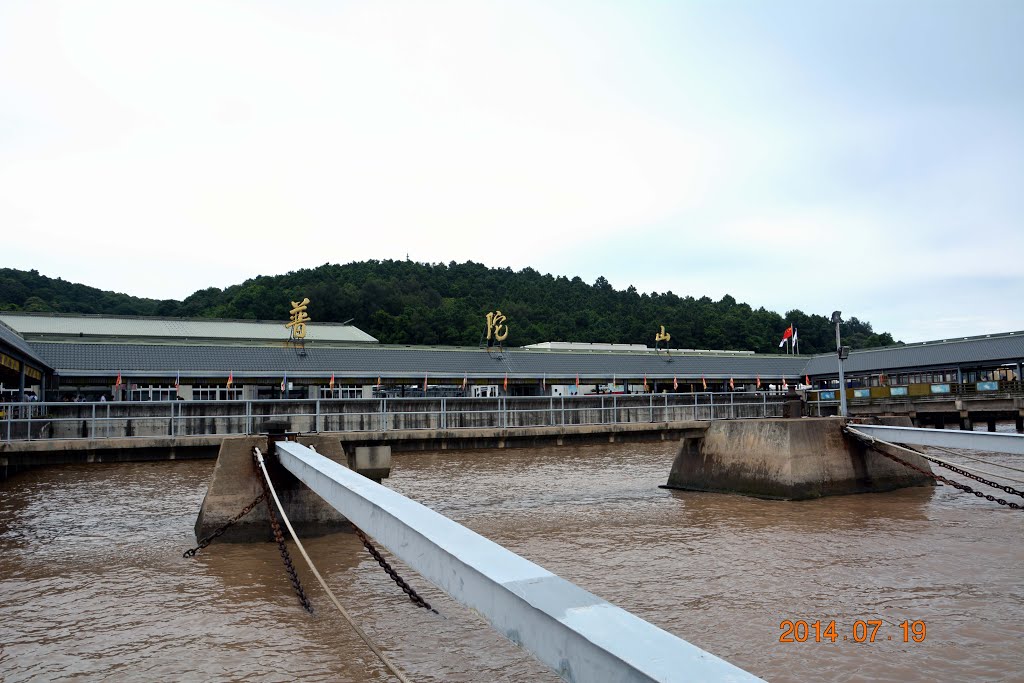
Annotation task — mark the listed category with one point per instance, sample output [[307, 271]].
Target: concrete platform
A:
[[236, 482], [789, 460]]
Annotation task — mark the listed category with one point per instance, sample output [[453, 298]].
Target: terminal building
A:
[[57, 357]]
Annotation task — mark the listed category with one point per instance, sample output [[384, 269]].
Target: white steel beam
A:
[[946, 438], [579, 635]]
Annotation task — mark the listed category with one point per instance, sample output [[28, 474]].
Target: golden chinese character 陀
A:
[[497, 330]]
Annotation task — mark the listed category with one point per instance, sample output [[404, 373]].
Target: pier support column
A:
[[991, 425], [940, 422], [965, 421], [1020, 423]]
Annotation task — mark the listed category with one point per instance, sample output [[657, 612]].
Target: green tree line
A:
[[404, 302]]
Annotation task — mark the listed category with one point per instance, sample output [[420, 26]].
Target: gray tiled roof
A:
[[11, 338], [967, 352], [37, 326], [99, 359]]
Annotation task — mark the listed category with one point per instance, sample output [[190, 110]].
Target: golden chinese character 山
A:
[[662, 336], [297, 321], [497, 330]]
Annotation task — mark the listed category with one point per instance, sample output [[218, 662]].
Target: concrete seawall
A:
[[789, 460], [19, 455]]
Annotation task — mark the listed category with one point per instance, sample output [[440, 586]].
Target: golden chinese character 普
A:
[[297, 321], [495, 326], [662, 336]]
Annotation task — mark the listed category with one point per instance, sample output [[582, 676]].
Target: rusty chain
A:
[[413, 595], [282, 546], [944, 480], [975, 477], [209, 539]]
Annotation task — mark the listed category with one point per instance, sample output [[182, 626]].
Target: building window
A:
[[216, 393], [341, 392]]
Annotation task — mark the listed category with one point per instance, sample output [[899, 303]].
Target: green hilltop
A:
[[404, 302]]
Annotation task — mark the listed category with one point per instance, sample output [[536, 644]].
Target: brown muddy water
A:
[[93, 585]]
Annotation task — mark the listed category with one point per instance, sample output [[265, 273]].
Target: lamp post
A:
[[842, 352]]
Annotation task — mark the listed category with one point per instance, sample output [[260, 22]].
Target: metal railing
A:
[[162, 419]]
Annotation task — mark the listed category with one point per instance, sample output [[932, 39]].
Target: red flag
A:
[[231, 378], [675, 383], [424, 384], [645, 381], [732, 387], [807, 380], [759, 381], [504, 384], [117, 382], [577, 379], [786, 335], [704, 382], [332, 380]]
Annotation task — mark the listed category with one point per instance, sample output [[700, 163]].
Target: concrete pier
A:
[[789, 460], [236, 482]]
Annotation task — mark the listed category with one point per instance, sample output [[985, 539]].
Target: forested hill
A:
[[403, 302]]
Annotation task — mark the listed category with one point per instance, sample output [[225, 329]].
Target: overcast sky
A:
[[862, 156]]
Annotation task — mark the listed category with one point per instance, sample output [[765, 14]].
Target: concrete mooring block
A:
[[789, 460], [236, 482]]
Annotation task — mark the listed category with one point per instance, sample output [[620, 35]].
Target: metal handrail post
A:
[[29, 423], [732, 406], [92, 425], [615, 409], [444, 415], [551, 411], [665, 417], [248, 417], [652, 407], [172, 420], [563, 411], [317, 424], [712, 395], [764, 405], [383, 415]]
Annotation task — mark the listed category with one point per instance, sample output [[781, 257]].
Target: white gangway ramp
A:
[[945, 438], [580, 636]]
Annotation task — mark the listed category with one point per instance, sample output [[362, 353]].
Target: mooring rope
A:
[[970, 468], [359, 631], [971, 457]]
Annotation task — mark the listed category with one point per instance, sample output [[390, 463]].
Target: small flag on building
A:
[[117, 382], [807, 380], [332, 381], [424, 384], [704, 382], [759, 381], [504, 384], [284, 383], [378, 380], [645, 381], [732, 387], [577, 379], [675, 383], [785, 386], [231, 378], [465, 380], [544, 382], [177, 380]]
